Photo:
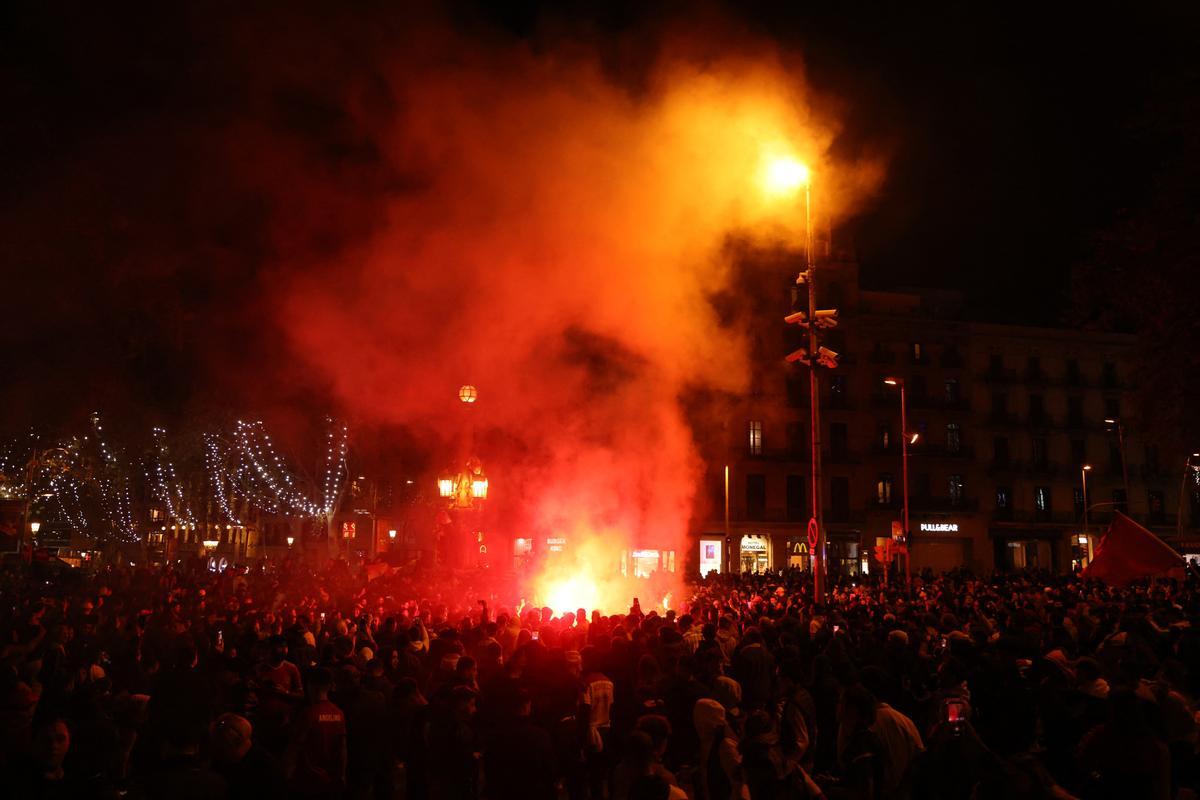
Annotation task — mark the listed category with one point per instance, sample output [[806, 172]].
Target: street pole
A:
[[904, 478], [1083, 471], [728, 542], [1120, 426], [819, 565], [1187, 468]]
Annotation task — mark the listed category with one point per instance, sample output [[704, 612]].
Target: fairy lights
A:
[[270, 483], [164, 486]]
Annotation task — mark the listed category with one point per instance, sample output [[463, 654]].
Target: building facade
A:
[[1007, 419]]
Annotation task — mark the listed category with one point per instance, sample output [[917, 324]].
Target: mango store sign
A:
[[938, 527]]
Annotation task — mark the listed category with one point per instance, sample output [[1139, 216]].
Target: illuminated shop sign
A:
[[555, 544], [939, 527]]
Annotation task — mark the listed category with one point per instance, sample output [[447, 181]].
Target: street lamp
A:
[[904, 442], [786, 175], [291, 540], [1083, 471], [1116, 424], [1188, 469]]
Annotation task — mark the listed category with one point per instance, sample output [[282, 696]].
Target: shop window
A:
[[712, 558], [756, 554], [756, 437]]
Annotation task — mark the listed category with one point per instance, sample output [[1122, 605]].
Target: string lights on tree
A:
[[164, 485]]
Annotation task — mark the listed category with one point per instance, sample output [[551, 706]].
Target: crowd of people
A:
[[283, 680]]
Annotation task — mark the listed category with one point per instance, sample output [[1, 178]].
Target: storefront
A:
[[755, 553], [797, 552], [712, 556], [941, 544], [1082, 550], [644, 563], [1027, 549]]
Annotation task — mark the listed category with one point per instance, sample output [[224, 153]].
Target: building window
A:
[[1037, 408], [1109, 375], [883, 489], [885, 437], [837, 391], [1158, 507], [1000, 452], [797, 490], [1039, 451], [1078, 452], [1041, 501], [756, 438], [756, 497], [918, 353], [839, 499], [837, 441], [1075, 412], [1112, 408], [920, 485], [953, 438], [1152, 458], [999, 404], [956, 490], [1073, 376], [795, 434], [952, 393], [1003, 498]]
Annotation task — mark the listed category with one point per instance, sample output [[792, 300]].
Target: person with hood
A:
[[718, 773]]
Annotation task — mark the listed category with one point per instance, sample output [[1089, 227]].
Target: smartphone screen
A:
[[535, 636], [954, 710]]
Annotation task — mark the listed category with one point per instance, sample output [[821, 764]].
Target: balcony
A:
[[1043, 469], [1001, 376], [880, 356], [943, 504], [1040, 421], [951, 359]]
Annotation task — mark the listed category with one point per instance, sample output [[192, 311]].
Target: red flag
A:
[[377, 570], [1128, 551]]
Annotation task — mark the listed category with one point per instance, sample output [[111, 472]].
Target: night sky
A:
[[138, 245]]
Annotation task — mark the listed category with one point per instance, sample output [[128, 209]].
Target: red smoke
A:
[[554, 239]]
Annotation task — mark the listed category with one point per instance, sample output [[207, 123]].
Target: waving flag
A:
[[1128, 552]]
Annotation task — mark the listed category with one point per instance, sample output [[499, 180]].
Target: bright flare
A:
[[785, 175]]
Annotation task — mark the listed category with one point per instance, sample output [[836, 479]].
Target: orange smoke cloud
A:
[[555, 240]]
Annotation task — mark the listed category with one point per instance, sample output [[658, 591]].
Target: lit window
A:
[[1041, 498], [952, 394], [885, 437], [755, 437], [956, 489], [953, 437], [883, 489], [917, 351], [1002, 499]]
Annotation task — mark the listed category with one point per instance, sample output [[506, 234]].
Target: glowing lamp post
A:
[[210, 545], [291, 540], [785, 176], [466, 488], [905, 439], [468, 394]]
